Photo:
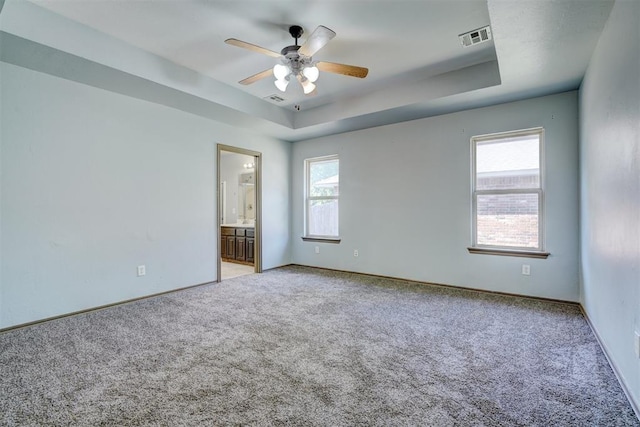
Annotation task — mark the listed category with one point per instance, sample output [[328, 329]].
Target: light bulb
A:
[[311, 73], [282, 84], [307, 86], [280, 71]]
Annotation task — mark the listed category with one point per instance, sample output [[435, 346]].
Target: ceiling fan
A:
[[297, 61]]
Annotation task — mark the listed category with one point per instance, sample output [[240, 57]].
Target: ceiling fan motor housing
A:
[[295, 61], [290, 50]]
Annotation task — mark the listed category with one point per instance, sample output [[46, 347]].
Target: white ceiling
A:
[[417, 66]]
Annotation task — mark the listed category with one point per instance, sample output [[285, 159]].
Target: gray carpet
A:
[[301, 346]]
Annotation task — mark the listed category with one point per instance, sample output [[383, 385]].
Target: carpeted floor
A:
[[301, 346]]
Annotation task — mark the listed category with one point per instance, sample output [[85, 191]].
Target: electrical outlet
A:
[[526, 269], [317, 249], [637, 344], [142, 270], [355, 253]]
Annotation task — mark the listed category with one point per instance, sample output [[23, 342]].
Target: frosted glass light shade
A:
[[311, 73], [307, 86], [282, 84], [280, 71]]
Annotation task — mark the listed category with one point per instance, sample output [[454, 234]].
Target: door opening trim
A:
[[257, 263]]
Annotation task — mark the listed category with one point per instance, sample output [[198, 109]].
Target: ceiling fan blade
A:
[[347, 70], [316, 41], [259, 76], [253, 47]]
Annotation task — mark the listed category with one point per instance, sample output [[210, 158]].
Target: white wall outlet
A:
[[355, 253], [636, 345], [142, 270], [317, 249], [526, 269]]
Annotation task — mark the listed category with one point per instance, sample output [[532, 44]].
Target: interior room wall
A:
[[1, 127], [610, 191], [95, 183], [405, 200]]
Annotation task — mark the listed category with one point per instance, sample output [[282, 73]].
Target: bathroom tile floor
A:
[[231, 270]]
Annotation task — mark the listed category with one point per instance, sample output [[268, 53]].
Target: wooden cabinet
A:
[[231, 247], [237, 244], [250, 245], [241, 244], [228, 244]]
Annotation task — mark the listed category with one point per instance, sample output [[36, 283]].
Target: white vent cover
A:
[[274, 98], [474, 37]]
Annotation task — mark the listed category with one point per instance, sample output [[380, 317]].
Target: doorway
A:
[[239, 207]]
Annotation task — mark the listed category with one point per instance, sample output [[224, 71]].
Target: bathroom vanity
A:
[[237, 243]]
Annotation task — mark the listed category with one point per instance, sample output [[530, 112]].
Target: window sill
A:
[[322, 239], [509, 252]]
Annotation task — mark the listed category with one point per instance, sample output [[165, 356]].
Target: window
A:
[[322, 192], [507, 193]]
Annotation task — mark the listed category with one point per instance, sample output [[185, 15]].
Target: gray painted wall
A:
[[610, 191], [94, 183], [1, 138], [405, 200]]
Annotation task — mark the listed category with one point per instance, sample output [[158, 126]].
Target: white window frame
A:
[[308, 199], [537, 252]]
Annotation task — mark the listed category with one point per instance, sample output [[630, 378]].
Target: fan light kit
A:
[[297, 61]]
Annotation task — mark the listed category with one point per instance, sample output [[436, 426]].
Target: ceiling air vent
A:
[[274, 98], [474, 37]]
